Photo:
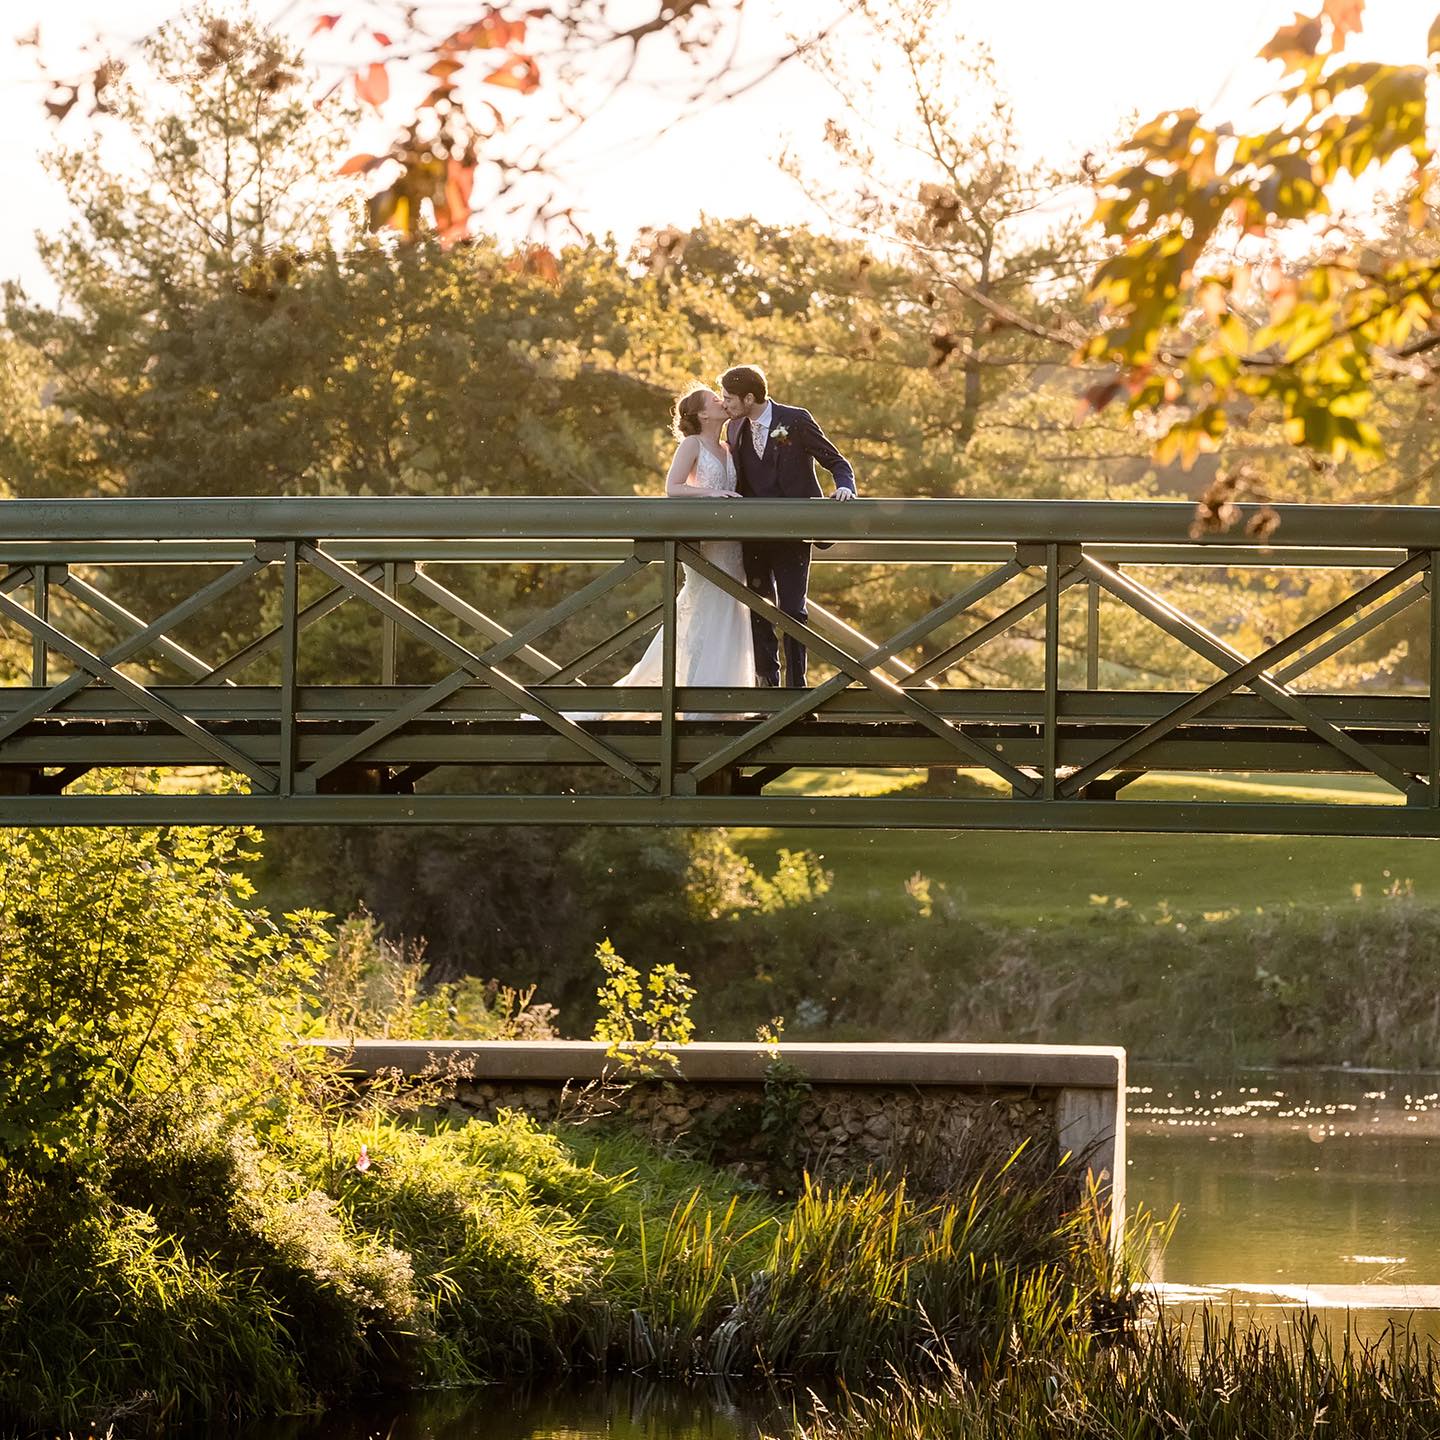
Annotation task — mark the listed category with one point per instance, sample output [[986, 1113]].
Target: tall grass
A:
[[1203, 1379], [858, 1280]]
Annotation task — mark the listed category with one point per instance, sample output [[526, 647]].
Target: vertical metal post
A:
[[39, 656], [387, 628], [667, 676], [289, 636], [1092, 637], [1052, 667], [1432, 579]]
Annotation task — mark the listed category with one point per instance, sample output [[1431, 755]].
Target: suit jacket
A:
[[787, 468]]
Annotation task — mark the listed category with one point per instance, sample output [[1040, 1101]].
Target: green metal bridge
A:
[[332, 661]]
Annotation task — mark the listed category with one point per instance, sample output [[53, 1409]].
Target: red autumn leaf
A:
[[537, 260], [1097, 397], [1346, 18], [381, 38], [325, 22], [358, 165], [459, 182], [452, 212], [519, 72], [494, 32], [63, 104], [1299, 38], [372, 85]]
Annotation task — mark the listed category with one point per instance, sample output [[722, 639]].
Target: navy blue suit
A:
[[780, 569]]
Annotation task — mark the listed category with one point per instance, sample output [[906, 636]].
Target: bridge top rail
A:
[[355, 520]]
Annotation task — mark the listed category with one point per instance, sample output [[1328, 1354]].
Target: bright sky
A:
[[1074, 72]]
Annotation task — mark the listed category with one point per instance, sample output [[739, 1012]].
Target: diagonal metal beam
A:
[[87, 660], [15, 579], [1347, 634], [358, 744], [490, 628], [1176, 623], [582, 664], [316, 610], [117, 614], [880, 684], [832, 627], [947, 659], [481, 668], [73, 684], [1243, 672], [811, 700]]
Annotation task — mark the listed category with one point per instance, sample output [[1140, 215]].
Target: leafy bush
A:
[[637, 1017], [132, 969], [373, 986]]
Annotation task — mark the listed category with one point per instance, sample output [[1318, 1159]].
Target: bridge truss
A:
[[304, 661]]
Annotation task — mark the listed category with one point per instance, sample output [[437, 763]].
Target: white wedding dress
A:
[[712, 630]]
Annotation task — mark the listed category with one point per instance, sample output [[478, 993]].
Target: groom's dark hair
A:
[[744, 380]]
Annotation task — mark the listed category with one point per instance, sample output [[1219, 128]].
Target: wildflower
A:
[[362, 1161]]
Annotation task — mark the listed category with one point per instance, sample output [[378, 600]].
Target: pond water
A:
[[619, 1410], [1312, 1187]]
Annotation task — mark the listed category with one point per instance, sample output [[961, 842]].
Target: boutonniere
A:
[[780, 435]]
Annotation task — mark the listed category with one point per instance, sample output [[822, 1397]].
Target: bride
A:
[[712, 639]]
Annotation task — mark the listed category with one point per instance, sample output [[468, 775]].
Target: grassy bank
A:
[[214, 1276], [201, 1218], [1259, 949], [1256, 948]]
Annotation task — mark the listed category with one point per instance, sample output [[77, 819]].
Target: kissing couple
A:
[[742, 444]]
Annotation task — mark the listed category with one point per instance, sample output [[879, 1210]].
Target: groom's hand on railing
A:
[[843, 492]]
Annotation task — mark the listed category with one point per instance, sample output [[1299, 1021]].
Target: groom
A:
[[775, 448]]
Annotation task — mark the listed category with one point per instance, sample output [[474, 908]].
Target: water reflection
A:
[[1298, 1187], [626, 1409]]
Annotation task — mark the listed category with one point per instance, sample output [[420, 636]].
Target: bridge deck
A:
[[463, 717]]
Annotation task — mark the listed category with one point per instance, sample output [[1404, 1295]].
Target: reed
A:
[[1206, 1378], [857, 1280]]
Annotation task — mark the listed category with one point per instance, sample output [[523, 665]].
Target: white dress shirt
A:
[[760, 429]]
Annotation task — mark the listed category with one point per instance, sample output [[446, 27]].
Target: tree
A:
[[1200, 311], [578, 54], [229, 189], [993, 304]]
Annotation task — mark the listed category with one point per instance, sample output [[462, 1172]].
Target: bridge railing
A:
[[343, 656]]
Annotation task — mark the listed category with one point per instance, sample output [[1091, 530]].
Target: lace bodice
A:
[[713, 472]]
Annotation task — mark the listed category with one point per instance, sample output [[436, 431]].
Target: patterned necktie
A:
[[755, 441]]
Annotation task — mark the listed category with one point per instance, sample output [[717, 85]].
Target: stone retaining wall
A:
[[936, 1112]]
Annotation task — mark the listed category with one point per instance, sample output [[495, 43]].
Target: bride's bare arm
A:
[[682, 467]]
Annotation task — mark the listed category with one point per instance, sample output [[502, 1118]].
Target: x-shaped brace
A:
[[852, 669], [1243, 672]]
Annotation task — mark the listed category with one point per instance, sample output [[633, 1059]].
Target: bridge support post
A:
[[21, 780], [353, 779], [1434, 756]]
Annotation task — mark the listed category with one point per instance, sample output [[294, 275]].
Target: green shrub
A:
[[131, 968], [369, 985]]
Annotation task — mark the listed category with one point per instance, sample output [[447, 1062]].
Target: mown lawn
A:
[[1029, 878]]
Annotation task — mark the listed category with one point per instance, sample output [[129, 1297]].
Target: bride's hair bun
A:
[[685, 418]]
